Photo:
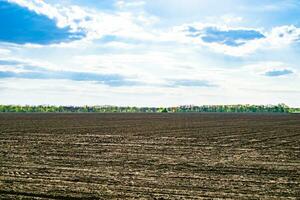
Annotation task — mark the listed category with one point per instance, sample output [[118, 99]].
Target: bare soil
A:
[[149, 156]]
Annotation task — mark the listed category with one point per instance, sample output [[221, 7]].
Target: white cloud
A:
[[278, 37], [248, 46], [283, 35], [93, 23], [228, 19], [148, 67], [4, 52], [66, 92], [122, 4], [153, 55], [138, 26]]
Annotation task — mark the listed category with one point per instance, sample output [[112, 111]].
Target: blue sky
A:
[[149, 52]]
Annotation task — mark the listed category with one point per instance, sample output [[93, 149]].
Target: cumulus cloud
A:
[[129, 4], [229, 37], [238, 41], [21, 26], [283, 35], [92, 23]]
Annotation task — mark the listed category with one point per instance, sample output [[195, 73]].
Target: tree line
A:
[[280, 108]]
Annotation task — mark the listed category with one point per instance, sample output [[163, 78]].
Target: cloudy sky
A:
[[149, 52]]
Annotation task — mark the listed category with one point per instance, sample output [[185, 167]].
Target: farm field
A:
[[149, 156]]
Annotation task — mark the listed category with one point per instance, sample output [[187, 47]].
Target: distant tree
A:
[[280, 108], [164, 110]]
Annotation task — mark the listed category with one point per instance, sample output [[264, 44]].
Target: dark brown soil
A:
[[149, 156]]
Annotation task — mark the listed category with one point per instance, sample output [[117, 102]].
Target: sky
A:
[[149, 52]]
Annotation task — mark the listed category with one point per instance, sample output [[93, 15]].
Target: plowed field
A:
[[149, 156]]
